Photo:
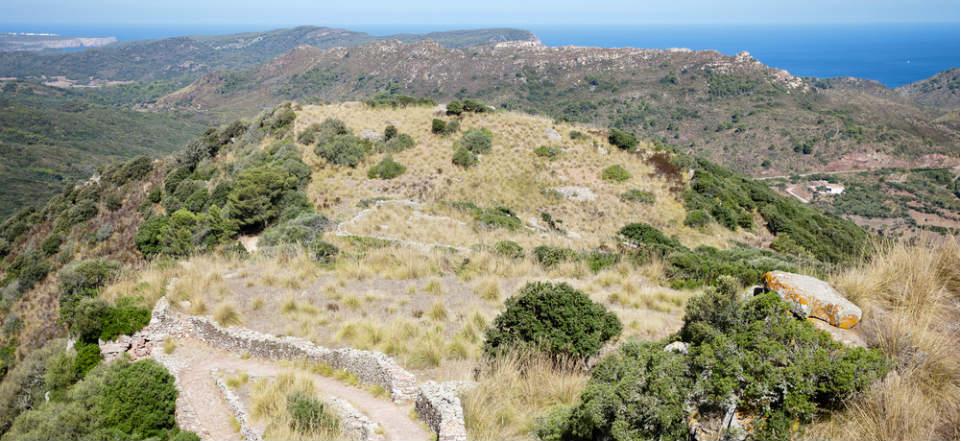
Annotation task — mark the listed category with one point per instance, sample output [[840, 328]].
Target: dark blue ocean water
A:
[[893, 54]]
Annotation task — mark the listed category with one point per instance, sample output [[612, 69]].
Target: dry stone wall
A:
[[369, 367], [439, 406], [237, 407]]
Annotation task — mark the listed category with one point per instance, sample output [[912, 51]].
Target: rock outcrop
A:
[[811, 297]]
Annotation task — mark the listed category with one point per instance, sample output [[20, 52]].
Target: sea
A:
[[894, 54]]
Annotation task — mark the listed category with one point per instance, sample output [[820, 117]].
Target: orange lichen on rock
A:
[[810, 297]]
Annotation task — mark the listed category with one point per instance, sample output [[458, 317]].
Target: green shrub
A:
[[732, 201], [464, 158], [510, 249], [751, 354], [697, 218], [93, 319], [257, 196], [51, 245], [387, 168], [321, 133], [390, 132], [499, 217], [398, 143], [280, 121], [622, 139], [455, 108], [615, 173], [576, 135], [396, 101], [549, 256], [23, 386], [303, 230], [552, 318], [129, 401], [477, 141], [475, 106], [547, 152], [84, 278], [645, 238], [452, 127], [310, 415], [438, 126], [29, 268], [600, 259], [323, 252], [638, 392], [638, 196], [343, 150], [88, 357], [132, 170]]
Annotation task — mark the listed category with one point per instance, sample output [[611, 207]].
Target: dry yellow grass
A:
[[270, 406], [511, 175], [512, 391], [909, 293]]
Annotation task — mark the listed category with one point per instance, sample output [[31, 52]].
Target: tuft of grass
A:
[[513, 391], [169, 346], [289, 408], [909, 294], [226, 315]]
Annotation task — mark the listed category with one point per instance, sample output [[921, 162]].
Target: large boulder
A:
[[811, 297]]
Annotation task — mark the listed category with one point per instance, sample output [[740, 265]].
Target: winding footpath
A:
[[202, 409]]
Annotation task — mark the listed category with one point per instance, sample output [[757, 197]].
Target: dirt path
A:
[[202, 405]]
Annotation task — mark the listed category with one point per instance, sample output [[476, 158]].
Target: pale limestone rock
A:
[[811, 297]]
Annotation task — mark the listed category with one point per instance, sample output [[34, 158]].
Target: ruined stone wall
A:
[[369, 367], [439, 406]]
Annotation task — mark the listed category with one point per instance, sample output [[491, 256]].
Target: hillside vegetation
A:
[[355, 225], [50, 138], [729, 109]]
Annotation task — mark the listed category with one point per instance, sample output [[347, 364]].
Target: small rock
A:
[[371, 135], [677, 347], [552, 134], [580, 194], [811, 297]]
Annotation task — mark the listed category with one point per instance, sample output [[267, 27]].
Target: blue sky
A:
[[475, 12]]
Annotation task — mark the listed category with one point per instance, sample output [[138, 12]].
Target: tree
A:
[[553, 318], [255, 195]]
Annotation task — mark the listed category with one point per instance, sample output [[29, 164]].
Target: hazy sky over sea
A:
[[484, 12]]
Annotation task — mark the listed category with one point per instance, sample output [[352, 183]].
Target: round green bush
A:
[[509, 248], [438, 126], [552, 318], [387, 168], [638, 196], [697, 218], [464, 158], [477, 141], [622, 139], [615, 173]]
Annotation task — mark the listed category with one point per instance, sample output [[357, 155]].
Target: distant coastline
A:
[[891, 54]]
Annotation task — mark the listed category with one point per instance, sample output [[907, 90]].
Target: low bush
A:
[[615, 173], [343, 150], [555, 319], [697, 218], [477, 141], [751, 355], [464, 158], [600, 259], [387, 168], [510, 249], [576, 135], [547, 152], [622, 139], [323, 132], [650, 240], [395, 101], [309, 415], [549, 256], [638, 197], [438, 126], [498, 217], [51, 245], [88, 357]]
